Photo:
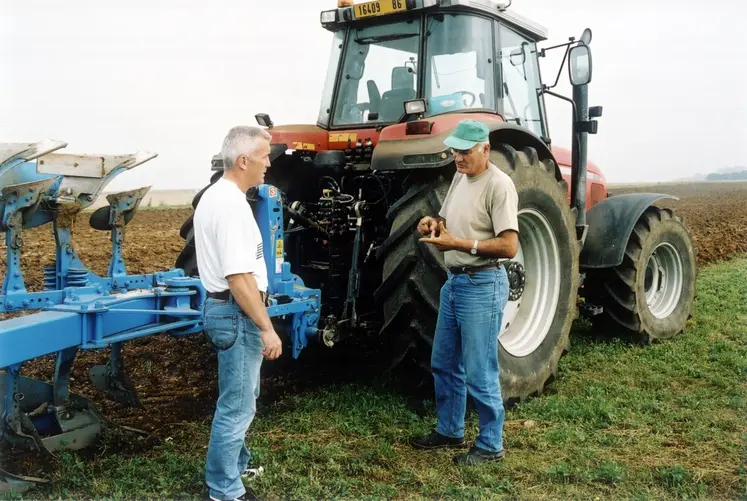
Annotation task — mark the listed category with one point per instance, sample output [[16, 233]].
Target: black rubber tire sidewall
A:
[[673, 232]]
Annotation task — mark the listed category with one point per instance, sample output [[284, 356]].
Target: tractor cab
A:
[[393, 61]]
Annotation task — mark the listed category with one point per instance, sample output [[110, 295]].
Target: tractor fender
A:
[[519, 138], [398, 151], [610, 223]]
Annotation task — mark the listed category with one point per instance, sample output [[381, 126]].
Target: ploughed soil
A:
[[172, 375], [176, 377], [715, 213]]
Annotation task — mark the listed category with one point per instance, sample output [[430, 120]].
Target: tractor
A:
[[401, 75], [338, 216]]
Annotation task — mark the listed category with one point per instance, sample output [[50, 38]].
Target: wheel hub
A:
[[534, 278], [516, 280], [663, 280]]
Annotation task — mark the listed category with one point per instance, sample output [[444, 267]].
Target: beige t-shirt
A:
[[479, 208]]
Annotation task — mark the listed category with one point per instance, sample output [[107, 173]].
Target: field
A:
[[716, 214], [622, 420]]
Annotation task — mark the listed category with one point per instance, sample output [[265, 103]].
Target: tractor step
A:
[[588, 310]]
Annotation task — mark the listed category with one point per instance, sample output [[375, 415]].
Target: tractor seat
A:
[[403, 89], [374, 96]]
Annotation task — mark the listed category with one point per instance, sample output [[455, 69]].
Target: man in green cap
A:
[[476, 229]]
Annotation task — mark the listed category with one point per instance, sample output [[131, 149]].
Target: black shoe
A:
[[247, 496], [477, 456], [437, 441]]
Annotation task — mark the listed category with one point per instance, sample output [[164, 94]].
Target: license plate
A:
[[379, 8]]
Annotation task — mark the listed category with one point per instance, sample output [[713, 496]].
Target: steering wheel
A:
[[464, 95]]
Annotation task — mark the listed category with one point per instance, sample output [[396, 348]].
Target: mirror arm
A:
[[542, 51], [546, 90], [562, 65]]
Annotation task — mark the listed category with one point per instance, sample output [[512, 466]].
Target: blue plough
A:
[[80, 310]]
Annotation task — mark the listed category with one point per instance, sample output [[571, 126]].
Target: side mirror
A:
[[263, 119], [579, 65]]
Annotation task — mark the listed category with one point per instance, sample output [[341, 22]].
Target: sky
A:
[[173, 76]]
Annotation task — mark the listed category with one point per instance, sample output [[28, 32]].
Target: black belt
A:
[[456, 270], [227, 296]]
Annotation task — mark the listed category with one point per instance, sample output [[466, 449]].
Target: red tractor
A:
[[401, 75]]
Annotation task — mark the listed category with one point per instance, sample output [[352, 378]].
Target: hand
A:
[[273, 346], [441, 238], [427, 225]]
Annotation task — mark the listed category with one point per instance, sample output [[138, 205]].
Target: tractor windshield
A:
[[378, 73]]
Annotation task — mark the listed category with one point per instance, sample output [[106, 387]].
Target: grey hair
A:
[[482, 144], [240, 140]]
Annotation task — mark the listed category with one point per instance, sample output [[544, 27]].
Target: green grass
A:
[[623, 421]]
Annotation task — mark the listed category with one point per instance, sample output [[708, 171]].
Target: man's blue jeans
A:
[[239, 345], [465, 354]]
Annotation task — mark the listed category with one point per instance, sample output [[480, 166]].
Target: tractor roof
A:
[[365, 12]]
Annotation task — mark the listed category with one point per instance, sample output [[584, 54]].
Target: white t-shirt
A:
[[227, 238]]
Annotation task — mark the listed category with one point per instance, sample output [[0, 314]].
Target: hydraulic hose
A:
[[305, 221]]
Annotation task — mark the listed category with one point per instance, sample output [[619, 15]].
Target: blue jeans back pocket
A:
[[222, 329]]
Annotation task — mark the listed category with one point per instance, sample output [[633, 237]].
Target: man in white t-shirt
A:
[[230, 261]]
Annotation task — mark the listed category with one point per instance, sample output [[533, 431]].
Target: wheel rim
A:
[[527, 320], [663, 280]]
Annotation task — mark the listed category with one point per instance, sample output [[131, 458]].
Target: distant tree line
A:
[[727, 176]]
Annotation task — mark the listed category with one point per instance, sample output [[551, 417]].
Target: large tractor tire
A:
[[412, 277], [537, 320], [651, 293], [187, 259]]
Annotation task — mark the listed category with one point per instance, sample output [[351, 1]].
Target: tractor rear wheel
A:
[[651, 293], [544, 276], [187, 259]]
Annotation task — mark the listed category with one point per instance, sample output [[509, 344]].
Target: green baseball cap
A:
[[467, 134]]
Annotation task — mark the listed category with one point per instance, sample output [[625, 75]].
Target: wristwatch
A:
[[473, 250]]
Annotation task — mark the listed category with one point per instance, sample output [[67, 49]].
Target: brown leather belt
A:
[[227, 296], [456, 270]]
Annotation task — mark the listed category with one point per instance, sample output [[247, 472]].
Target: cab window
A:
[[460, 70], [520, 86]]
